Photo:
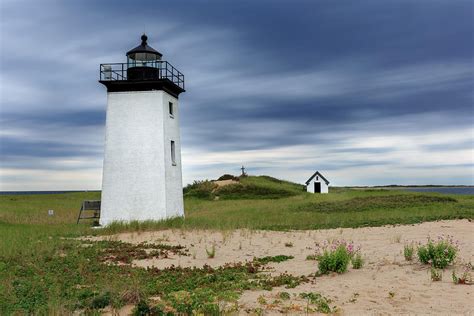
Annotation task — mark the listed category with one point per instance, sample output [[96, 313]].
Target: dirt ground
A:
[[222, 183], [387, 284]]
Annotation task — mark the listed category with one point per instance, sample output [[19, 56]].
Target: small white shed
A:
[[317, 184]]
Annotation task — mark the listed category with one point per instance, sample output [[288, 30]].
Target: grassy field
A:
[[44, 270]]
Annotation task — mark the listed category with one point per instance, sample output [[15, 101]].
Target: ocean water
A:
[[38, 192], [445, 190]]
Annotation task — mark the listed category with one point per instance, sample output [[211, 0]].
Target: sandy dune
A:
[[387, 284], [222, 183]]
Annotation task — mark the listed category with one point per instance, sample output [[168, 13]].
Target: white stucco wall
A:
[[173, 173], [139, 182], [324, 186]]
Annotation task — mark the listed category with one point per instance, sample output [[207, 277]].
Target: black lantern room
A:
[[144, 70], [143, 62]]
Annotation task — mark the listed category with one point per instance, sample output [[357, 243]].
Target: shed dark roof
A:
[[144, 48], [317, 174]]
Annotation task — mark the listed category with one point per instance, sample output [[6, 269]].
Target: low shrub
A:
[[408, 251], [436, 275], [335, 257], [322, 303], [251, 191], [465, 277], [335, 261], [101, 301], [440, 253], [228, 177], [284, 296], [357, 261], [200, 189], [212, 252], [141, 309]]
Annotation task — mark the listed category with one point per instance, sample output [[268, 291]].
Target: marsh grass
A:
[[359, 204]]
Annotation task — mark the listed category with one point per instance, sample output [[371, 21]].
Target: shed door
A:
[[317, 187]]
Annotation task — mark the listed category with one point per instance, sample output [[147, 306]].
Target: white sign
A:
[[50, 212]]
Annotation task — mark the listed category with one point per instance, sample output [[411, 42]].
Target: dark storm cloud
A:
[[328, 77], [14, 147], [38, 120]]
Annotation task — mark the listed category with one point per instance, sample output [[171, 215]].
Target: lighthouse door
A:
[[317, 187]]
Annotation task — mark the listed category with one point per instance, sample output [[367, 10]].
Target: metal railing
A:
[[159, 70]]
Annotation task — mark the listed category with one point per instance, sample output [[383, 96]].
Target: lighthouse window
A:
[[173, 153], [171, 109]]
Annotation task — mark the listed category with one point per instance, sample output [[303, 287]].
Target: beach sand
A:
[[387, 284]]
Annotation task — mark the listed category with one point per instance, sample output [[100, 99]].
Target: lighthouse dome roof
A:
[[144, 48]]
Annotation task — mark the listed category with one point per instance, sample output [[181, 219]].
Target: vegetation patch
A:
[[335, 257], [200, 190], [465, 277], [251, 191], [387, 202], [320, 303], [357, 261], [44, 269], [228, 177], [408, 251], [261, 187], [284, 296], [122, 252], [68, 276], [440, 253], [279, 258], [267, 282], [436, 274]]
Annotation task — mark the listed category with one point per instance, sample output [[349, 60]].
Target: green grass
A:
[[42, 269], [72, 277], [261, 187]]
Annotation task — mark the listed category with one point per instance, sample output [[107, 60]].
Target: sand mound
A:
[[222, 183]]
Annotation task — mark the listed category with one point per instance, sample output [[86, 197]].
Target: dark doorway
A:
[[317, 187]]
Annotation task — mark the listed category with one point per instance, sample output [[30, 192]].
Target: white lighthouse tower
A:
[[142, 161]]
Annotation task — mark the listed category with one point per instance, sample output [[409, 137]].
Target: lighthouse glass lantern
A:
[[142, 174], [143, 62]]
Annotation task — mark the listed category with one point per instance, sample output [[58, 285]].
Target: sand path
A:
[[387, 284]]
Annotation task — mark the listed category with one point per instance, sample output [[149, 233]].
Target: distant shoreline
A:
[[44, 192], [388, 187], [427, 186]]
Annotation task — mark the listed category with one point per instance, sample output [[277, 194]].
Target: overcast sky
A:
[[366, 92]]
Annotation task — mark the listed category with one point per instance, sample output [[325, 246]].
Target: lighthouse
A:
[[142, 177]]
